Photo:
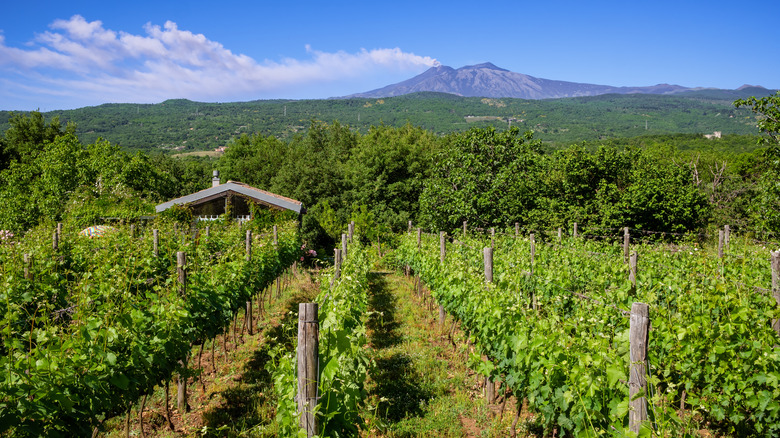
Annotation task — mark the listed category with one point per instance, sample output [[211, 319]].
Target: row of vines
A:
[[92, 326], [554, 328], [343, 361]]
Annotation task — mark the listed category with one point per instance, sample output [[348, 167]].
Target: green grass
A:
[[420, 385], [238, 398]]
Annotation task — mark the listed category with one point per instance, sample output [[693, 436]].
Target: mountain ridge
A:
[[488, 80]]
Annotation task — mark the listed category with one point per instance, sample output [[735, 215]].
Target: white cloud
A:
[[88, 60]]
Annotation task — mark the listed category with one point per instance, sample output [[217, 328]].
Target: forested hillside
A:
[[386, 176], [183, 125]]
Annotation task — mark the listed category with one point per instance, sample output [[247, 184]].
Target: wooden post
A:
[[344, 245], [59, 231], [181, 398], [637, 382], [249, 318], [534, 303], [775, 257], [417, 284], [132, 231], [410, 227], [720, 244], [726, 235], [464, 228], [517, 230], [308, 354], [351, 231], [28, 262], [248, 244], [181, 262], [492, 237], [626, 242], [632, 266], [442, 246], [276, 236], [442, 257], [155, 241], [207, 230], [560, 234], [575, 229], [337, 264], [490, 386], [55, 241], [488, 259]]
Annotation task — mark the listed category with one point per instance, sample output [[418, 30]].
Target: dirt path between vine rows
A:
[[420, 384]]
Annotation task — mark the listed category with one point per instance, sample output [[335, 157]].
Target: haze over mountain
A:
[[487, 80]]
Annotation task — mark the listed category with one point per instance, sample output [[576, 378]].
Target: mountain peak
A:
[[488, 80], [746, 86], [484, 65]]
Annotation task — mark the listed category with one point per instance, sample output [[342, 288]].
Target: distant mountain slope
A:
[[183, 125], [487, 80]]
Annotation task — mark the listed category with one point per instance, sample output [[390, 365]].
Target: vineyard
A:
[[92, 326], [550, 317]]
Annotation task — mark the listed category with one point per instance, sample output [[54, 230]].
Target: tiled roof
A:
[[237, 187]]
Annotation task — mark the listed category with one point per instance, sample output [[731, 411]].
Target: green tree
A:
[[386, 172], [765, 207], [481, 177], [768, 111], [254, 160], [28, 133]]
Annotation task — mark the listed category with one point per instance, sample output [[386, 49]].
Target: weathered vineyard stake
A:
[[575, 229], [534, 302], [776, 286], [442, 246], [442, 257], [418, 286], [55, 241], [337, 265], [344, 245], [181, 400], [308, 353], [250, 321], [626, 243], [632, 262], [248, 244], [490, 386], [28, 262], [639, 329]]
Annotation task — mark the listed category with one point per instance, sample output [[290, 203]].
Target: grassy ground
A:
[[234, 398], [418, 386]]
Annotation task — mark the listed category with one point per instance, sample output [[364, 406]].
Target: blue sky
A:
[[62, 55]]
